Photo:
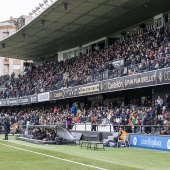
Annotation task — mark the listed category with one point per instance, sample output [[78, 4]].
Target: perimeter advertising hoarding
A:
[[75, 91], [24, 100], [58, 94], [163, 76], [44, 97], [12, 101], [150, 141], [140, 80], [34, 98], [112, 85], [3, 103]]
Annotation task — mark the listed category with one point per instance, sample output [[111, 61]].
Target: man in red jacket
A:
[[134, 120]]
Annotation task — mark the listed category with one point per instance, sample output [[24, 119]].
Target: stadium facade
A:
[[9, 65]]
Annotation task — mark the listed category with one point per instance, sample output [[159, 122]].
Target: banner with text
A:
[[44, 97], [150, 141], [34, 98], [24, 100]]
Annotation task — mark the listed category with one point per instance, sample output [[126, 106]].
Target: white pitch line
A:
[[67, 160]]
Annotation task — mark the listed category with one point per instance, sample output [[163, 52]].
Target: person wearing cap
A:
[[6, 128]]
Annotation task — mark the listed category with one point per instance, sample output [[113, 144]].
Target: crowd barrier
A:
[[155, 129], [111, 128]]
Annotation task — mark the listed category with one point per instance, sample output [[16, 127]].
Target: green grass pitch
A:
[[20, 155]]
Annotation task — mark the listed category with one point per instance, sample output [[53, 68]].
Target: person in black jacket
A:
[[6, 128], [147, 121]]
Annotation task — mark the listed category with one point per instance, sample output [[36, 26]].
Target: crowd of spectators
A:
[[144, 51], [106, 114]]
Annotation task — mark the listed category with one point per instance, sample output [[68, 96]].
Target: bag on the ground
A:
[[112, 144]]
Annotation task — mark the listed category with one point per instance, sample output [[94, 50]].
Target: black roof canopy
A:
[[82, 22]]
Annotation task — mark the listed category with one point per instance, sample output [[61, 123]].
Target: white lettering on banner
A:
[[58, 94], [87, 127], [88, 89], [135, 141], [147, 79], [117, 84], [43, 97], [151, 142], [144, 79], [24, 100], [168, 144], [12, 101], [33, 98], [167, 75]]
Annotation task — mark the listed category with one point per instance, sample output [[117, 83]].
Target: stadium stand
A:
[[132, 118], [141, 52]]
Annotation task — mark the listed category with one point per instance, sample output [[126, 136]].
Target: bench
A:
[[92, 145], [36, 141], [90, 137]]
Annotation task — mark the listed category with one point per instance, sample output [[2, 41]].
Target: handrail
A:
[[99, 127]]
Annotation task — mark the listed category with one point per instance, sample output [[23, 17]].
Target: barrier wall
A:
[[159, 142], [87, 127]]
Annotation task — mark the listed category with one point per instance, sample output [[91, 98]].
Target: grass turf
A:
[[112, 158]]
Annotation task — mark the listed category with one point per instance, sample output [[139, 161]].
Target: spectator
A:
[[147, 121], [164, 112], [134, 120], [166, 131], [160, 101], [167, 101], [93, 122]]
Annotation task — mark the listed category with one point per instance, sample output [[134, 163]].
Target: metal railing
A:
[[139, 129], [116, 72], [154, 129]]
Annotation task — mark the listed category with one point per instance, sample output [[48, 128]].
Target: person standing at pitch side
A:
[[6, 128]]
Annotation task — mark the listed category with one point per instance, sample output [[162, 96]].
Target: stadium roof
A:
[[82, 22]]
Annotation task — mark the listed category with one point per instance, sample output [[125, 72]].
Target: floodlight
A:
[[45, 1], [38, 8], [34, 11], [41, 5], [30, 13]]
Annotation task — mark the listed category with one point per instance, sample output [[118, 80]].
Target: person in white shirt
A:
[[160, 101]]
